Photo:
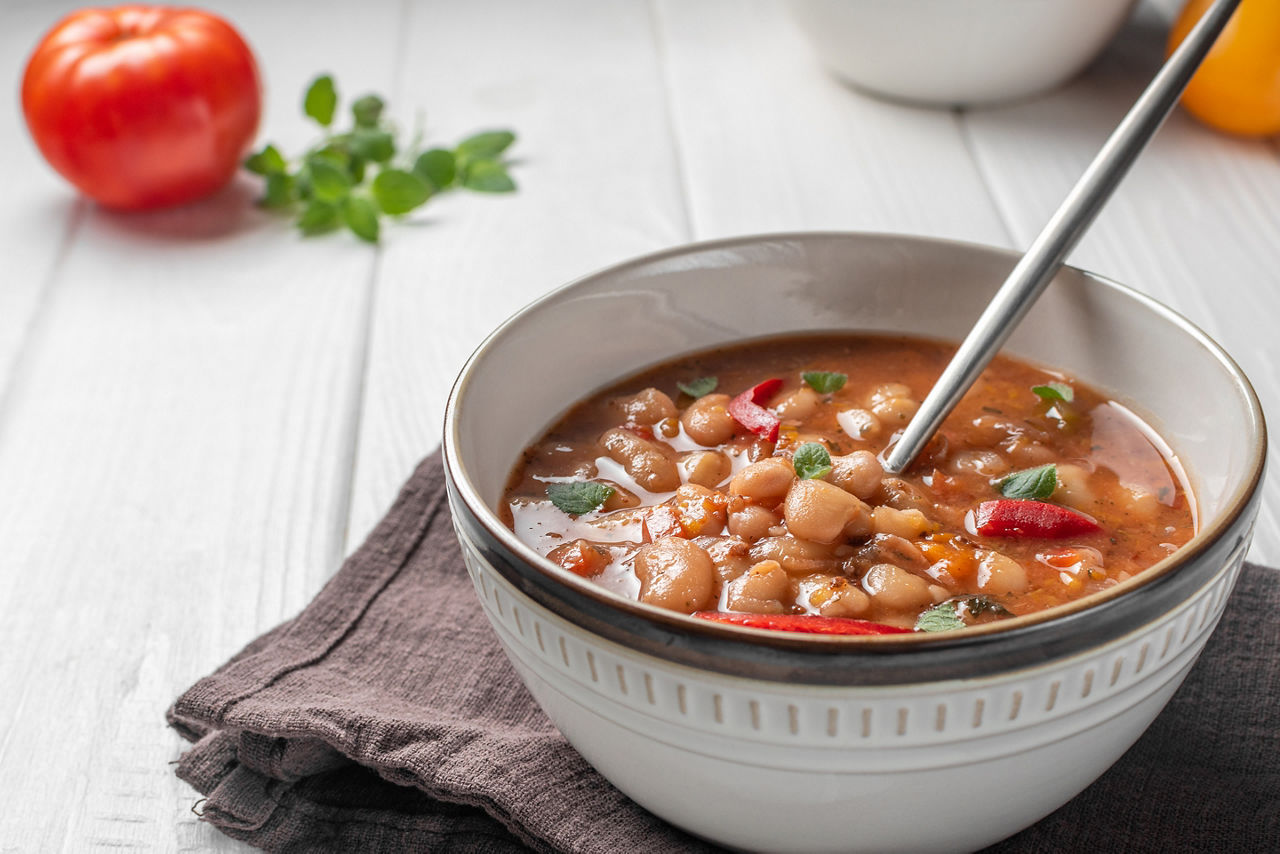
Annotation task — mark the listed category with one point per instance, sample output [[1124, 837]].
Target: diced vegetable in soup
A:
[[744, 485]]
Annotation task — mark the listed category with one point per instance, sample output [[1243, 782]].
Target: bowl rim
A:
[[504, 549]]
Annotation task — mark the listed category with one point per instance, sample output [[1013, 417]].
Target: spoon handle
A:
[[1060, 235]]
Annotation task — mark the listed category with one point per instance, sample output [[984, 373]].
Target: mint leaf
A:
[[437, 167], [321, 100], [1055, 391], [1038, 483], [281, 190], [487, 145], [367, 110], [824, 382], [940, 618], [949, 615], [811, 460], [334, 151], [268, 161], [347, 177], [487, 176], [329, 182], [372, 144], [398, 192], [318, 217], [361, 217], [579, 496], [700, 387]]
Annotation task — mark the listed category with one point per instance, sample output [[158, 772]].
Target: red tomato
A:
[[143, 106]]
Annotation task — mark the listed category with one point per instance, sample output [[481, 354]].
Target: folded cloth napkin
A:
[[385, 717]]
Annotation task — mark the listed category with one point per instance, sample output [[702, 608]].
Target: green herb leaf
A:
[[437, 167], [700, 387], [281, 190], [361, 217], [335, 151], [487, 176], [579, 496], [372, 144], [398, 192], [356, 170], [336, 186], [1055, 391], [321, 100], [940, 618], [329, 182], [318, 217], [811, 461], [824, 382], [1038, 483], [949, 615], [367, 110], [268, 161], [487, 145]]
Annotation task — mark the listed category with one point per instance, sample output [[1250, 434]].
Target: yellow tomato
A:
[[1237, 89]]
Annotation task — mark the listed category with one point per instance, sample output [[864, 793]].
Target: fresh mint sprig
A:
[[354, 177], [578, 497], [1037, 483], [825, 382], [1054, 391], [811, 461], [950, 615], [700, 387]]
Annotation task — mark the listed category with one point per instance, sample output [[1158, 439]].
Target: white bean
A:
[[752, 522], [979, 461], [706, 468], [765, 482], [648, 406], [644, 460], [999, 573], [675, 574], [759, 590], [707, 420], [820, 511], [858, 473], [837, 597], [895, 588], [798, 405], [909, 524], [859, 424]]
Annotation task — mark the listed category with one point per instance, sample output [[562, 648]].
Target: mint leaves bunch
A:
[[353, 178]]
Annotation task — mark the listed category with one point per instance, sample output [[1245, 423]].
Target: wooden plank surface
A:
[[39, 216], [176, 459]]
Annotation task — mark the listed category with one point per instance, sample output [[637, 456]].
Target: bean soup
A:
[[745, 485]]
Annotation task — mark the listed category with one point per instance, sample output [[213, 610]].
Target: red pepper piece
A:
[[747, 410], [806, 623], [1015, 517]]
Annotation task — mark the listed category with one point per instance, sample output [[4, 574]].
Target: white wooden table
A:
[[201, 413]]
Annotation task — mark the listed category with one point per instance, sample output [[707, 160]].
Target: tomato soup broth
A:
[[744, 485]]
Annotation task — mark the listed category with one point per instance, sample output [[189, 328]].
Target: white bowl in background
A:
[[769, 741], [958, 52]]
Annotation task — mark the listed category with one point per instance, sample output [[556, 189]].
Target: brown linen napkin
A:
[[385, 717]]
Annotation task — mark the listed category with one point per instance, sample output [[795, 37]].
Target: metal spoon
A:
[[1060, 235]]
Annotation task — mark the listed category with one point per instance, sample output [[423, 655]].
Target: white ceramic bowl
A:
[[769, 741], [955, 52]]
